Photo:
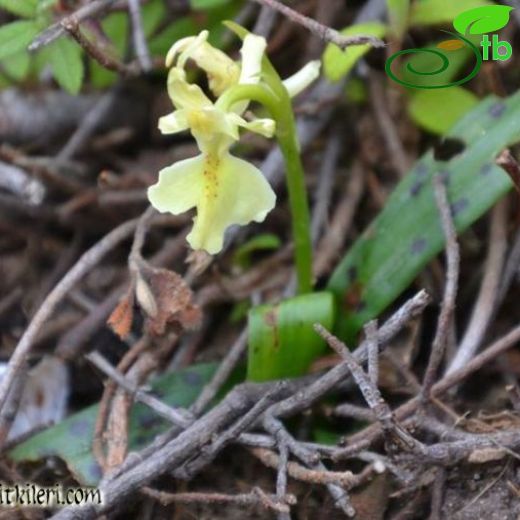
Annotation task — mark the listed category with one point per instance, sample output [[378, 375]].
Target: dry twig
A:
[[450, 291], [322, 31], [485, 306]]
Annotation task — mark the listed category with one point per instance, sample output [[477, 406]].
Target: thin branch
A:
[[513, 391], [370, 434], [370, 392], [223, 372], [438, 489], [322, 31], [281, 479], [57, 29], [265, 22], [329, 246], [255, 497], [373, 351], [108, 62], [387, 125], [303, 474], [510, 165], [450, 291], [86, 262], [175, 416], [484, 308], [87, 127], [310, 458], [326, 182], [359, 413], [294, 404], [138, 37]]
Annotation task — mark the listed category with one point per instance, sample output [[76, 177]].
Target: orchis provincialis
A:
[[225, 190]]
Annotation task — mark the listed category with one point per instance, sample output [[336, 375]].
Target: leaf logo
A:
[[482, 20]]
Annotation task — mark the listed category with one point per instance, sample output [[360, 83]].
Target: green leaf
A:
[[66, 61], [327, 436], [398, 12], [282, 341], [482, 20], [356, 91], [17, 66], [438, 110], [71, 440], [115, 27], [153, 13], [23, 8], [433, 12], [262, 242], [207, 4], [338, 63], [160, 44], [15, 36], [407, 234]]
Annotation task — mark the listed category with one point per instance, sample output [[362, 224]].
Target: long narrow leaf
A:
[[407, 233], [71, 440], [282, 342]]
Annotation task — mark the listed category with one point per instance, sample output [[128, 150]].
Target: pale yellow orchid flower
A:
[[225, 190]]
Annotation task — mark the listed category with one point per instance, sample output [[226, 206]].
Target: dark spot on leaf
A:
[[421, 170], [158, 393], [352, 273], [80, 427], [418, 246], [458, 206], [448, 148], [141, 440], [352, 296], [444, 176], [361, 306], [148, 421], [271, 318], [192, 378], [486, 169], [497, 109], [416, 188], [94, 471]]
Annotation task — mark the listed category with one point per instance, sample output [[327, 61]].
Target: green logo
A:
[[436, 61]]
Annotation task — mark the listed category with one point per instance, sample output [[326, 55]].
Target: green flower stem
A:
[[280, 110], [287, 139]]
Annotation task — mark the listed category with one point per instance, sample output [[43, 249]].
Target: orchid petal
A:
[[184, 94], [191, 48], [263, 126], [235, 192], [252, 52], [180, 186], [175, 122], [303, 78], [177, 48]]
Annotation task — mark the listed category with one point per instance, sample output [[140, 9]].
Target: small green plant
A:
[[436, 65], [67, 61], [62, 56], [227, 190]]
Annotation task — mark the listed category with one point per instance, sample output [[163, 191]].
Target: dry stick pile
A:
[[252, 415]]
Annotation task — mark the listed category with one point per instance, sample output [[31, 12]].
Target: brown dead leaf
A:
[[372, 501], [173, 299], [120, 321]]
